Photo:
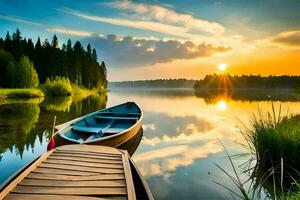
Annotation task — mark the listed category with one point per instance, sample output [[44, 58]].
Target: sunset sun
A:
[[222, 67]]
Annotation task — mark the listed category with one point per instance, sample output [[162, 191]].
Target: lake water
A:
[[182, 142]]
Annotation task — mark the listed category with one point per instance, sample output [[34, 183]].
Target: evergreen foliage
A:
[[14, 74], [74, 62]]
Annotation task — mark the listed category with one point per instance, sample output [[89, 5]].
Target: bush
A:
[[57, 86]]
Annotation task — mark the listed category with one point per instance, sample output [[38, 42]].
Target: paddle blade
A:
[[51, 144]]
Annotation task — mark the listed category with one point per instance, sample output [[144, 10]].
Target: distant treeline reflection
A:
[[212, 96], [22, 122]]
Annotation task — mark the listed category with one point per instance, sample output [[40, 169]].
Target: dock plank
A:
[[88, 173], [80, 168], [56, 197], [86, 156], [65, 183], [89, 153], [86, 159], [69, 190], [84, 164], [85, 148], [63, 172], [76, 178]]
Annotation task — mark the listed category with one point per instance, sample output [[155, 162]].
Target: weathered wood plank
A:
[[85, 164], [85, 156], [92, 153], [66, 183], [64, 172], [15, 182], [128, 177], [12, 196], [100, 149], [69, 191], [90, 160], [75, 178], [80, 168]]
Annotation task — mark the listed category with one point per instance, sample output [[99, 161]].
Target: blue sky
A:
[[161, 33]]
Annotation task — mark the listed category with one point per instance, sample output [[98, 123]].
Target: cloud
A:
[[164, 21], [52, 30], [133, 52], [174, 126], [19, 20], [287, 38], [167, 15], [137, 24], [162, 162], [70, 32]]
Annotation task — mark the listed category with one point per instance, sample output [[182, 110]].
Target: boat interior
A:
[[103, 123]]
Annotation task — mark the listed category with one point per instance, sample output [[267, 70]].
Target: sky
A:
[[169, 39]]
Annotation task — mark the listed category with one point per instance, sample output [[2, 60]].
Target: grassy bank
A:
[[274, 142], [62, 86], [54, 87], [16, 93], [26, 93]]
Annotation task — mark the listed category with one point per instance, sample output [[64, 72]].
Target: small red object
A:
[[51, 144]]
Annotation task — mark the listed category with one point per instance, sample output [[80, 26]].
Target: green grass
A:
[[16, 93], [274, 141]]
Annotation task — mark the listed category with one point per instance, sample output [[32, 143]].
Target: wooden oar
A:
[[51, 144]]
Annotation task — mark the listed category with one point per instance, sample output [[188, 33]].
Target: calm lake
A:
[[182, 138]]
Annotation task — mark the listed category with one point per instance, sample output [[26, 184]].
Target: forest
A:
[[24, 64], [158, 83], [226, 81]]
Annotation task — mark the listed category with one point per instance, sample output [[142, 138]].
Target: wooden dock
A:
[[79, 172]]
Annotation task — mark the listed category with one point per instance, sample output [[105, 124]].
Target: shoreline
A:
[[32, 93]]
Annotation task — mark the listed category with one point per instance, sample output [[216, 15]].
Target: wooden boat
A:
[[78, 172], [109, 127]]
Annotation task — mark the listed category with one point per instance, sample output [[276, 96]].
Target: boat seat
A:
[[113, 130], [92, 130], [120, 118], [117, 113]]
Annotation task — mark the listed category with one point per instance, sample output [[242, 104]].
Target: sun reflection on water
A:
[[222, 105]]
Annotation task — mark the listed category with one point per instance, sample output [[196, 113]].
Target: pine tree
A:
[[55, 43], [94, 55], [17, 35], [46, 43], [7, 42], [89, 50], [69, 45], [38, 44]]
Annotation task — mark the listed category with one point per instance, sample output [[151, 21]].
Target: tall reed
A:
[[274, 141]]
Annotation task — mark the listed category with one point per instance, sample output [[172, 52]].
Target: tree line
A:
[[248, 81], [49, 59], [158, 83]]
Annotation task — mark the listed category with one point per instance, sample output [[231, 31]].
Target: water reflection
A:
[[182, 134], [22, 126], [16, 126], [283, 95], [60, 104], [180, 142]]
